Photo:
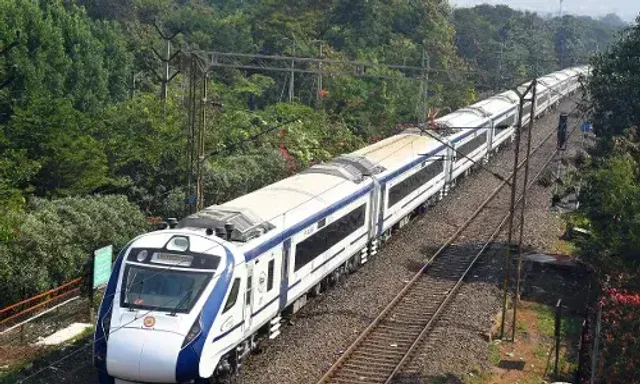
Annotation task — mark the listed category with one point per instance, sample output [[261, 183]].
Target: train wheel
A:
[[352, 265], [315, 290]]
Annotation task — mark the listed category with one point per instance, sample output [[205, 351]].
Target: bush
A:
[[54, 239]]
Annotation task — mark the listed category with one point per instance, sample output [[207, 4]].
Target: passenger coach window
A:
[[501, 126], [472, 145], [319, 242], [270, 275], [233, 296], [415, 181]]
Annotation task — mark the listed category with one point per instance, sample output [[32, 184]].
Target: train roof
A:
[[277, 206], [540, 87], [396, 151], [469, 117], [553, 79], [498, 104]]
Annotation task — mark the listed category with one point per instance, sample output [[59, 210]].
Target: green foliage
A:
[[146, 154], [613, 88], [61, 141], [610, 203], [60, 53], [522, 44], [494, 354], [236, 175], [55, 238]]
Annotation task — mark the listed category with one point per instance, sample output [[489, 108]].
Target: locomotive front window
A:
[[161, 289]]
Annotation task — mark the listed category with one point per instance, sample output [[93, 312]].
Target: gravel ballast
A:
[[328, 325]]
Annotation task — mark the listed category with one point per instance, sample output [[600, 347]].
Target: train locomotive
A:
[[188, 303]]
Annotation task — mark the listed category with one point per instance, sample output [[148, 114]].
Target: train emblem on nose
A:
[[149, 321]]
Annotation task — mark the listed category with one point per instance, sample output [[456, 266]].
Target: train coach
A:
[[188, 303]]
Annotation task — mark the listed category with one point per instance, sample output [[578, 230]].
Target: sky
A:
[[626, 9]]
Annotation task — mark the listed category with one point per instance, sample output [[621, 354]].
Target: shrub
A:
[[53, 242]]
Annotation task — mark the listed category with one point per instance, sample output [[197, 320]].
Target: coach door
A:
[[284, 282], [248, 298]]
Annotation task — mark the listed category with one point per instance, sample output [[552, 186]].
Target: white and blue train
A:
[[188, 303]]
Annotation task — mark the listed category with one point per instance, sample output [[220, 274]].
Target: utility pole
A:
[[318, 96], [291, 78], [500, 65], [561, 38], [132, 88], [200, 145], [426, 65], [189, 198], [514, 183], [165, 58], [516, 295]]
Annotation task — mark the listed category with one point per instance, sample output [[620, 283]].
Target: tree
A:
[[613, 87], [610, 203], [60, 140], [54, 239]]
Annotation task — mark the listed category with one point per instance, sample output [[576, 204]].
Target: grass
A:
[[569, 325], [541, 351], [546, 319], [476, 376], [565, 247], [494, 354]]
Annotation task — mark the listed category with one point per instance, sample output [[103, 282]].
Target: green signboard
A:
[[102, 265]]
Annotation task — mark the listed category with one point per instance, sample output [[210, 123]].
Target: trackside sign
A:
[[102, 265]]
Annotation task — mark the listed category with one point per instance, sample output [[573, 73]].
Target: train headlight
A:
[[195, 331], [142, 255], [178, 243]]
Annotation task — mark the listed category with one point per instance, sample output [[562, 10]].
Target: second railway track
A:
[[386, 345]]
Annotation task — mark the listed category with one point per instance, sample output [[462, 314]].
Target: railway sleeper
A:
[[387, 351], [391, 340], [372, 360], [359, 380], [364, 354], [366, 365]]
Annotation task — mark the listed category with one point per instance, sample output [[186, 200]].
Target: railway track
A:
[[387, 344]]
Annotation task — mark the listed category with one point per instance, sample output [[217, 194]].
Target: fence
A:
[[25, 311]]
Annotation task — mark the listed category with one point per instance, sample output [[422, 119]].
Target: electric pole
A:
[[318, 95], [291, 78], [516, 295], [514, 183], [426, 64], [500, 65], [200, 145], [189, 199], [561, 38], [165, 58]]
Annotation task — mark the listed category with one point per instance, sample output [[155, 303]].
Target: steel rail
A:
[[443, 305], [403, 293]]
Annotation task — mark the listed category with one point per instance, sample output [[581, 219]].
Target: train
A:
[[189, 302]]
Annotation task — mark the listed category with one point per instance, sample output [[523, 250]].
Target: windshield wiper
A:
[[175, 309], [130, 286]]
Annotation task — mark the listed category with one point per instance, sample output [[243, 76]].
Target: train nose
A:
[[143, 355]]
